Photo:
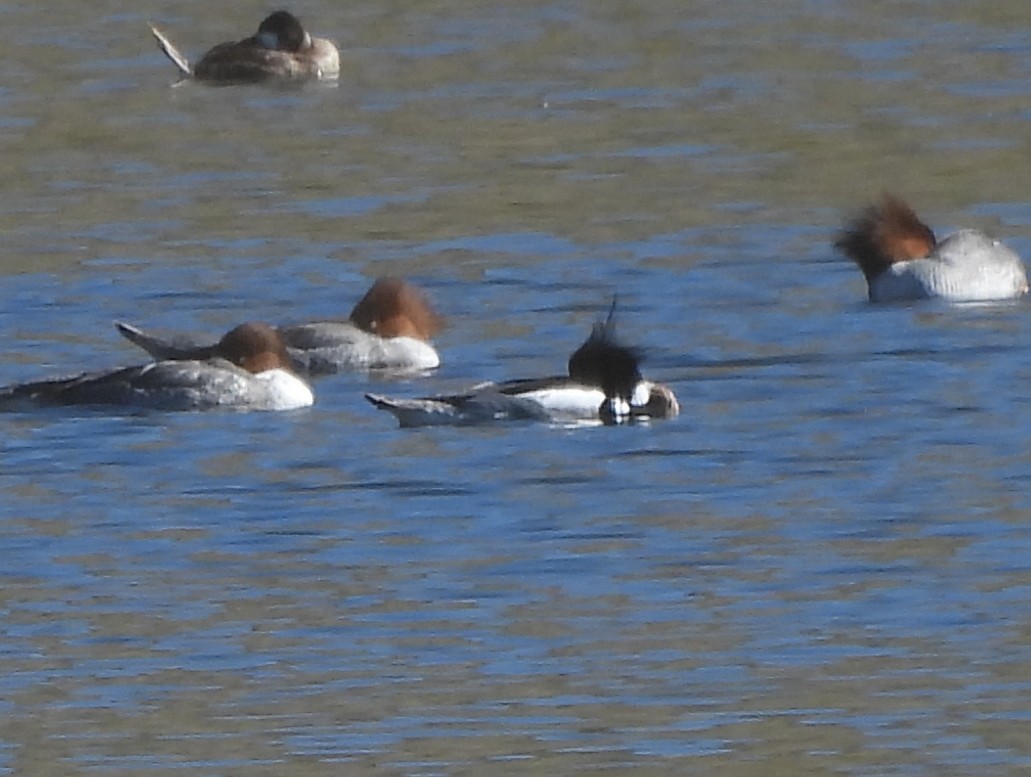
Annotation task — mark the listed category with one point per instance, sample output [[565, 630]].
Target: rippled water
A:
[[821, 567]]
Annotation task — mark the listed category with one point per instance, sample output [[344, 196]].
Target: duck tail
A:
[[172, 53], [176, 349]]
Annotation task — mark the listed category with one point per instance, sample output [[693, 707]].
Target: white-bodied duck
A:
[[248, 370], [604, 383], [389, 329], [902, 260]]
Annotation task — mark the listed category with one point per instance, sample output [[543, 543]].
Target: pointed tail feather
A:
[[380, 401], [178, 348], [172, 52]]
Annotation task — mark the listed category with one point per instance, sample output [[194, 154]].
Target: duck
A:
[[603, 385], [249, 369], [902, 260], [388, 330], [281, 49]]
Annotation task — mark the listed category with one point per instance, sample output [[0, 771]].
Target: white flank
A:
[[569, 403], [285, 390]]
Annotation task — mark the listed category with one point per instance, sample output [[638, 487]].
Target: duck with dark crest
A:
[[280, 49], [603, 383]]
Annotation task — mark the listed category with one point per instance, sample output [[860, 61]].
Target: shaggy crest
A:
[[883, 234], [603, 362]]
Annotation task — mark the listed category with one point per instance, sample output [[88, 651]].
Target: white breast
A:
[[284, 390]]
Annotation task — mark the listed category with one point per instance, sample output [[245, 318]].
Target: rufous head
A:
[[883, 234], [255, 346], [394, 308]]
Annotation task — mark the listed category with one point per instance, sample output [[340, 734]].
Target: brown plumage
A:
[[883, 234], [255, 346], [281, 48], [393, 308]]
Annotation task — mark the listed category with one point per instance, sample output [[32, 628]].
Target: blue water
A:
[[820, 567]]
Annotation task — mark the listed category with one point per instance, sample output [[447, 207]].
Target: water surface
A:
[[821, 567]]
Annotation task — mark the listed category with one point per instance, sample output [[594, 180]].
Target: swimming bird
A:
[[248, 369], [280, 49], [603, 383], [389, 329], [902, 260]]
